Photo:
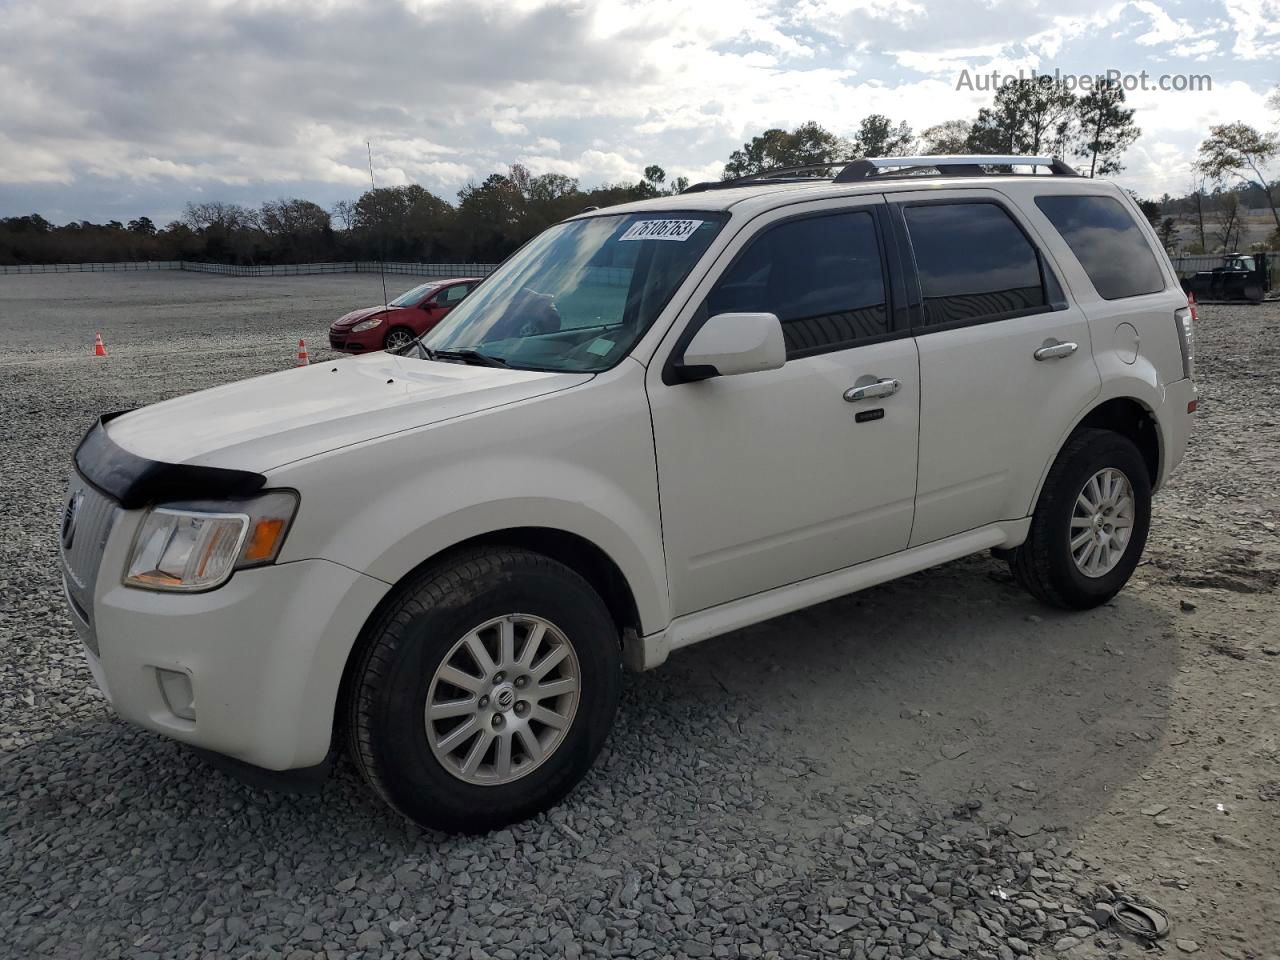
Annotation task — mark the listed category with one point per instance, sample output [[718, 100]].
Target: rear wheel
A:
[[1090, 525], [487, 689], [397, 338]]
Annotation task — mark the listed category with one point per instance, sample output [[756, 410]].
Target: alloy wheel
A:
[[1102, 522], [502, 699], [397, 340]]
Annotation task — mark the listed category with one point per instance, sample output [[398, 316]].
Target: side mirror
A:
[[733, 343]]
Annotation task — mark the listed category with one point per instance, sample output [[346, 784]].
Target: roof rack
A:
[[885, 168]]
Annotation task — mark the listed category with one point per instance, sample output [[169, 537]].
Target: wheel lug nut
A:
[[499, 677], [497, 721], [521, 681], [522, 708], [484, 701]]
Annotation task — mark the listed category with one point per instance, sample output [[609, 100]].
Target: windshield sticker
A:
[[661, 230], [600, 346]]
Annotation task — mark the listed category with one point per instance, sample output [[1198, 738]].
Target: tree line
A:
[[490, 219]]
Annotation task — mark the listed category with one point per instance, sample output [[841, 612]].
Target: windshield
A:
[[579, 295], [410, 297]]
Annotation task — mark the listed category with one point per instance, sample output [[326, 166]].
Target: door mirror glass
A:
[[733, 343]]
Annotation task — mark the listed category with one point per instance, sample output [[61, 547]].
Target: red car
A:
[[409, 315]]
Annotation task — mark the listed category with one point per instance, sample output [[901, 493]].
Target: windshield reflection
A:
[[579, 295]]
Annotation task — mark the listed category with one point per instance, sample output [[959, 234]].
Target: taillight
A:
[[1185, 318]]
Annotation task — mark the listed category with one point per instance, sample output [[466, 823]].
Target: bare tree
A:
[[1197, 215], [1227, 217], [344, 212], [1239, 151]]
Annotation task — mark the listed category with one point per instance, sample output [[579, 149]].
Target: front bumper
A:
[[363, 342], [264, 655]]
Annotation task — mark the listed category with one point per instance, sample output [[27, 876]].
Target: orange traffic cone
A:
[[303, 359], [99, 350]]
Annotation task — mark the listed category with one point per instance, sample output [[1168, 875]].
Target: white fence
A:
[[262, 270], [90, 267]]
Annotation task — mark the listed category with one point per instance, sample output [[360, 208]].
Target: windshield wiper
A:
[[473, 357]]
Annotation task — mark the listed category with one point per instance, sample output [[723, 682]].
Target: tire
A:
[[396, 332], [420, 640], [1046, 564]]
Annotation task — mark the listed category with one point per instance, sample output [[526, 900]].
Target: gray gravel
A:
[[911, 783]]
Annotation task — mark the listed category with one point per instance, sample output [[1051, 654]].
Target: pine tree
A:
[[1106, 128]]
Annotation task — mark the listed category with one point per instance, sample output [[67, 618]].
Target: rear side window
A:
[[822, 276], [1108, 244], [453, 294], [974, 263]]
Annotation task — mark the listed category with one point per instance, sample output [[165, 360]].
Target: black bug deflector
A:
[[137, 481]]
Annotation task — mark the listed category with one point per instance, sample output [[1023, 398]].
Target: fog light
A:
[[175, 687]]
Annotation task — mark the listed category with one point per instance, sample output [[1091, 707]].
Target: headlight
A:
[[198, 546], [364, 325]]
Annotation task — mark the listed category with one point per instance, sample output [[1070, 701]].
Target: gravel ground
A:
[[933, 768]]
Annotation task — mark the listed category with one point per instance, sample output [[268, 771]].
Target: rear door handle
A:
[[873, 391], [1056, 351]]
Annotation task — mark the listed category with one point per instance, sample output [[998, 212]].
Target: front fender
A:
[[641, 568], [579, 461]]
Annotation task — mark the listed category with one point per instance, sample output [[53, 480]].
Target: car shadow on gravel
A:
[[952, 683]]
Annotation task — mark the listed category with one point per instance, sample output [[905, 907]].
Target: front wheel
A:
[[397, 339], [486, 689], [1090, 525]]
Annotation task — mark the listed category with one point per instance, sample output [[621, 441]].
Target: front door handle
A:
[[873, 391], [1056, 351]]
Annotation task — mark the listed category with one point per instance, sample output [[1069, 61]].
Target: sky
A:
[[111, 109]]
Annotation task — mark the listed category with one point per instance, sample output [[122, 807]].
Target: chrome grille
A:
[[86, 517]]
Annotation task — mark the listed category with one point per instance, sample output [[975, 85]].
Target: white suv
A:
[[654, 424]]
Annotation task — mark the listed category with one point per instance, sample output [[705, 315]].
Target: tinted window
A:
[[974, 262], [451, 295], [1108, 244], [821, 276]]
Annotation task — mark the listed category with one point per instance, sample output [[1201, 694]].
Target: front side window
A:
[[821, 276], [974, 263], [579, 295], [1106, 241]]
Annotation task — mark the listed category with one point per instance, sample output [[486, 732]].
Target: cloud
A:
[[1164, 28], [126, 102], [1257, 26]]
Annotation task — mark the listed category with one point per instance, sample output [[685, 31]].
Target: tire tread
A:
[[435, 585], [1032, 562]]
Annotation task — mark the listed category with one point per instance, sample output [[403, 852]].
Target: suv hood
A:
[[272, 420]]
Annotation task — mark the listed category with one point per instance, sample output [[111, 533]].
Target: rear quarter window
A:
[[1109, 245]]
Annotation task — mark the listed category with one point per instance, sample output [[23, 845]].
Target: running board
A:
[[645, 653]]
